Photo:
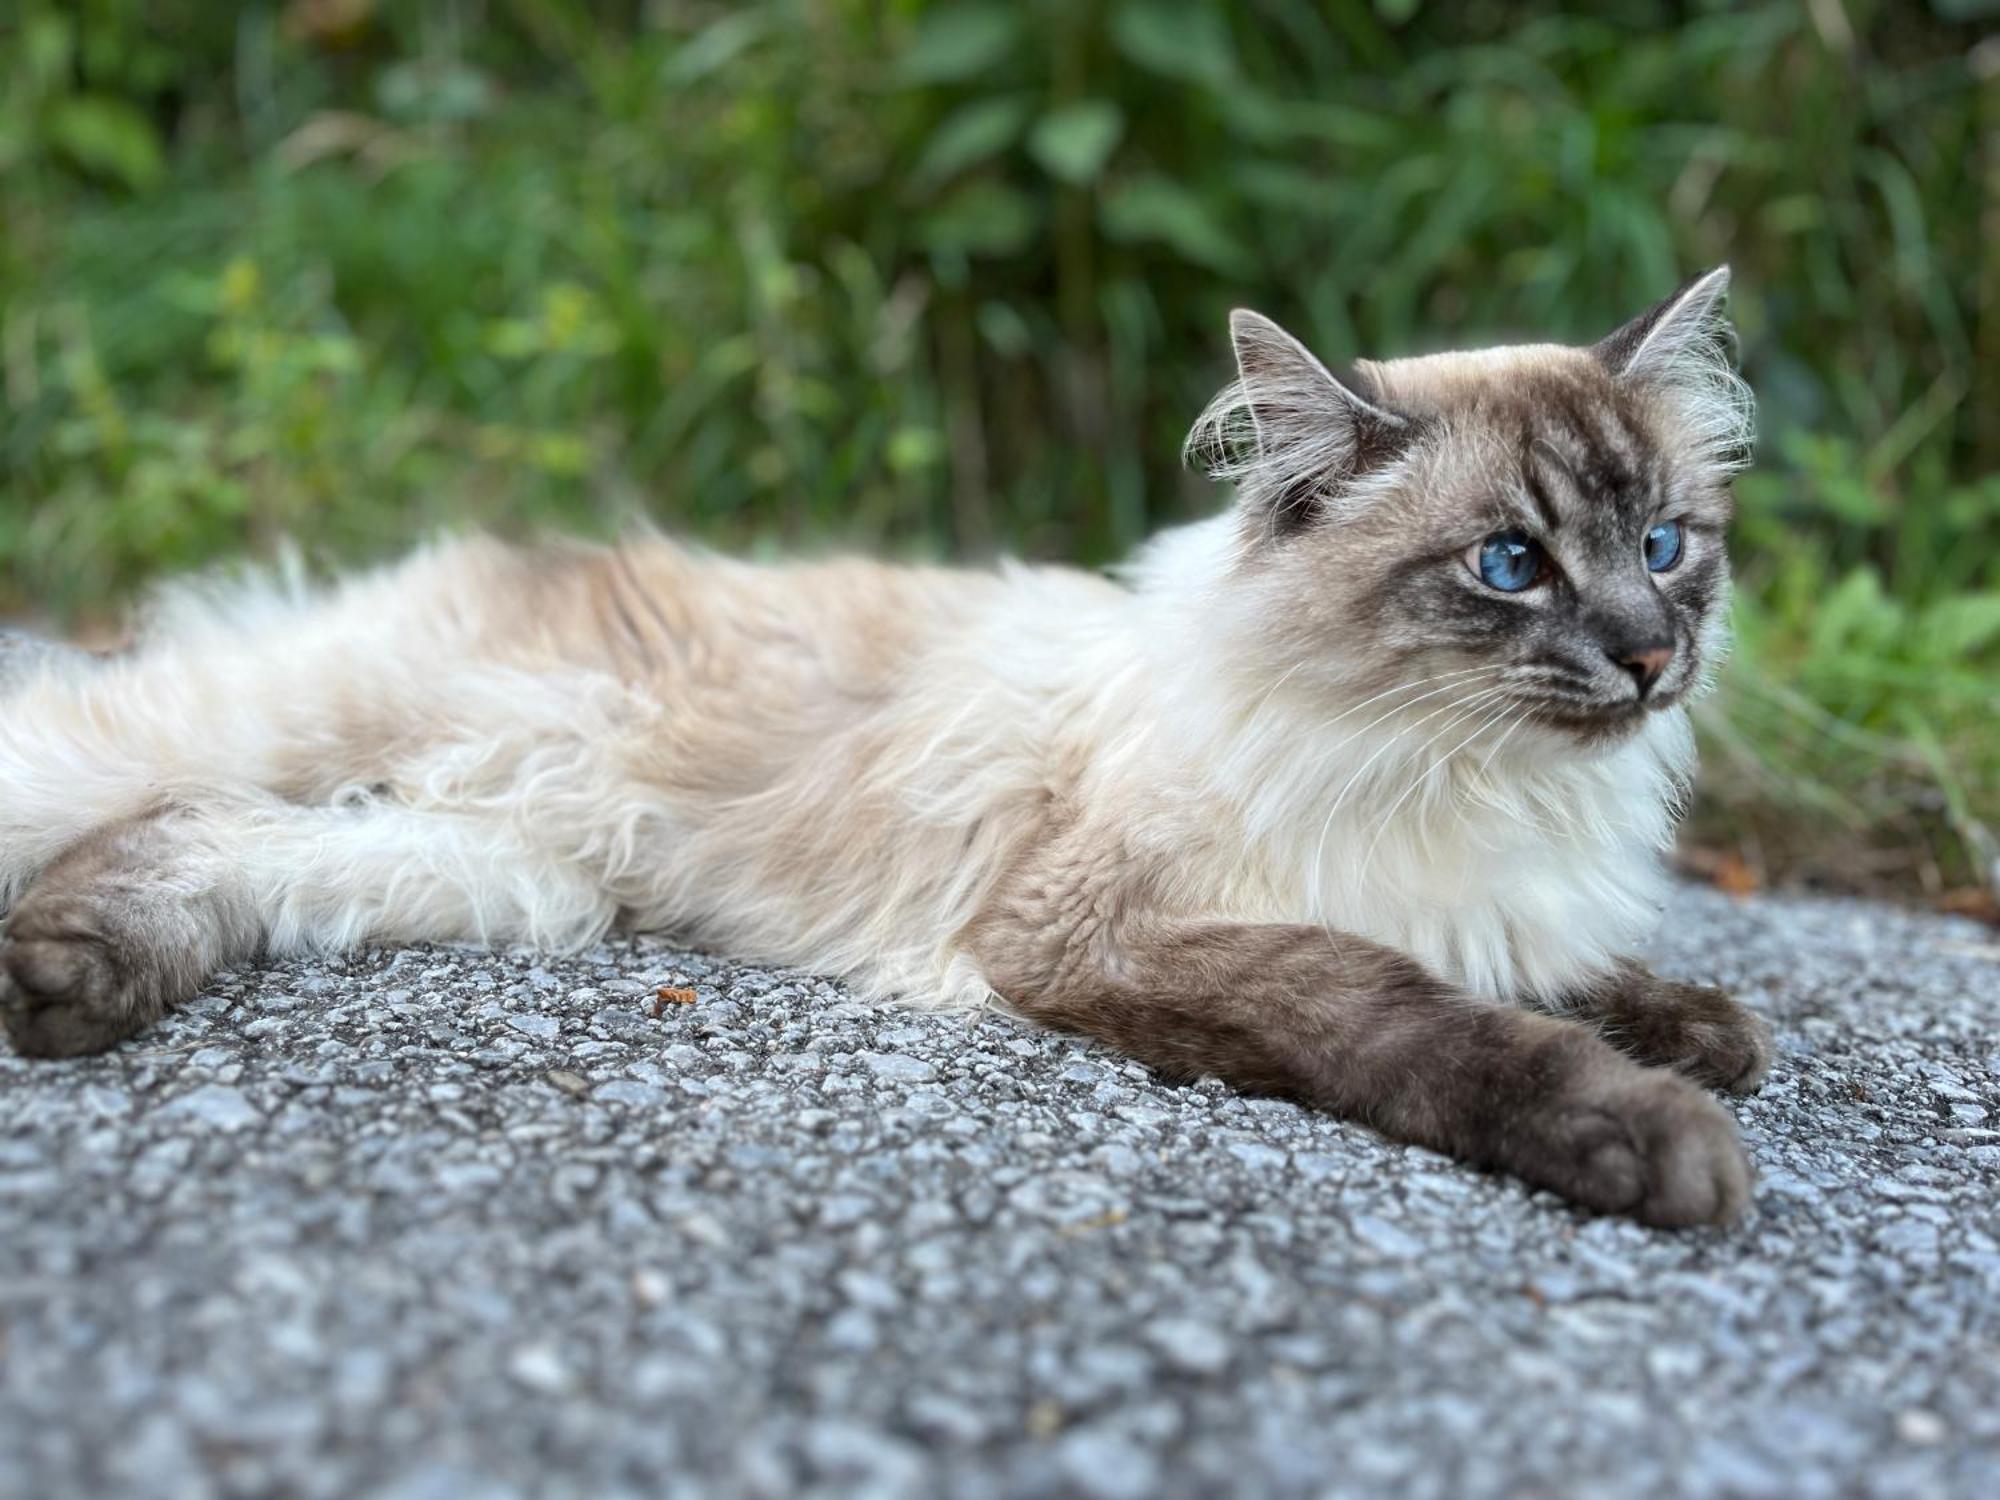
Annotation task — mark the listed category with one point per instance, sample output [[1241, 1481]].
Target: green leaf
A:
[[1962, 626], [44, 49], [1854, 618], [1073, 143], [959, 41], [1176, 39], [433, 93], [1155, 208], [109, 138], [1005, 329], [980, 218], [912, 448], [716, 45], [971, 134]]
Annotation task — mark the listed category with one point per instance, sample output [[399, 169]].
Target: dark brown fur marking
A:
[[1695, 1029], [1366, 1033]]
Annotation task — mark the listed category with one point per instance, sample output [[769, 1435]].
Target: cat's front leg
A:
[[1696, 1029], [1366, 1033]]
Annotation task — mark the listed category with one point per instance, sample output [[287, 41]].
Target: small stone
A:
[[1920, 1428], [1256, 1155], [857, 1457], [649, 1287], [1107, 1466], [215, 1105], [540, 1368], [843, 1209], [942, 1417], [1385, 1238], [1191, 1346], [898, 1067], [626, 1091]]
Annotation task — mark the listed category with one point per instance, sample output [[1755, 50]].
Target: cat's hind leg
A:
[[134, 918], [112, 933]]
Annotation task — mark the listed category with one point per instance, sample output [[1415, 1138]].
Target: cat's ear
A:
[[1681, 353], [1687, 327], [1288, 433]]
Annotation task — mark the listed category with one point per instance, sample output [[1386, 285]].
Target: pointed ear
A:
[[1681, 353], [1288, 433], [1687, 326]]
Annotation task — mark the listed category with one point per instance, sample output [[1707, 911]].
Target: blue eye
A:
[[1509, 561], [1663, 546]]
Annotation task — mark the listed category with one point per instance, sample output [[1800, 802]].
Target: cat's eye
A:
[[1663, 546], [1508, 561]]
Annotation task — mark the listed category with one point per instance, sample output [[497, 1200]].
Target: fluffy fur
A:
[[823, 765], [1302, 715]]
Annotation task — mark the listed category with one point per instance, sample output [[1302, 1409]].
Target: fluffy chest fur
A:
[[1428, 817], [1511, 873]]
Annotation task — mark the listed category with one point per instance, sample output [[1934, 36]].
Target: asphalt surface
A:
[[444, 1223]]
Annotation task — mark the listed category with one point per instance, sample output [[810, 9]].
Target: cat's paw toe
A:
[[61, 995]]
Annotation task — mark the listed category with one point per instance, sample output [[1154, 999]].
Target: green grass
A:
[[952, 277]]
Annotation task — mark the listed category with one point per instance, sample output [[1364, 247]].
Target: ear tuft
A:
[[1286, 432], [1682, 351]]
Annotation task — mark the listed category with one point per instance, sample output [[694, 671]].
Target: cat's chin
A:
[[1595, 729]]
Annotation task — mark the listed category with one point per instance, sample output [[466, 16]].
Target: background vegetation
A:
[[952, 276]]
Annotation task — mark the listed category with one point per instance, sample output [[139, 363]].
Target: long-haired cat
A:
[[1357, 792]]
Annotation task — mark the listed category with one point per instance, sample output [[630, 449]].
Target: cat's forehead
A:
[[1513, 381], [1543, 426]]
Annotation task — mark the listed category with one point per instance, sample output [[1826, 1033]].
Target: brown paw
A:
[[1639, 1141], [63, 988], [1713, 1040]]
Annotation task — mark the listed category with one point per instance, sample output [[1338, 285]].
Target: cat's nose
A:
[[1645, 665]]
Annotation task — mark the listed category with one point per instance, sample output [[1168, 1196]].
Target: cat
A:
[[1357, 792]]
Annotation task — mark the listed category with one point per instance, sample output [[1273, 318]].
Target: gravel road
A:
[[439, 1223]]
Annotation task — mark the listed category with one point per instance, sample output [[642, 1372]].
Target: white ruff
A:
[[1517, 866]]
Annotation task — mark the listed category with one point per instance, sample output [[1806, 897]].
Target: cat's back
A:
[[835, 757], [784, 637]]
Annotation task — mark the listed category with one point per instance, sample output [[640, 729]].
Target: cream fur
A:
[[828, 765]]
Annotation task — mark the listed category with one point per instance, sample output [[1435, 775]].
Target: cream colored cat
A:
[[1318, 795]]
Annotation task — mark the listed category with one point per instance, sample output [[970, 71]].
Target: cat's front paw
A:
[[1703, 1034], [64, 989], [1638, 1141]]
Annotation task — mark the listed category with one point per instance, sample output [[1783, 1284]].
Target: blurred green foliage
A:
[[952, 276]]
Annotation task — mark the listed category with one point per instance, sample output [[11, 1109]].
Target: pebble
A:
[[215, 1106], [1107, 1466], [1190, 1346], [898, 1068], [540, 1368]]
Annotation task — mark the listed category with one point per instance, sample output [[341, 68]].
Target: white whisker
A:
[[1319, 849], [1484, 706]]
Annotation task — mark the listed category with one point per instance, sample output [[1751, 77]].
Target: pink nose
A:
[[1646, 666]]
